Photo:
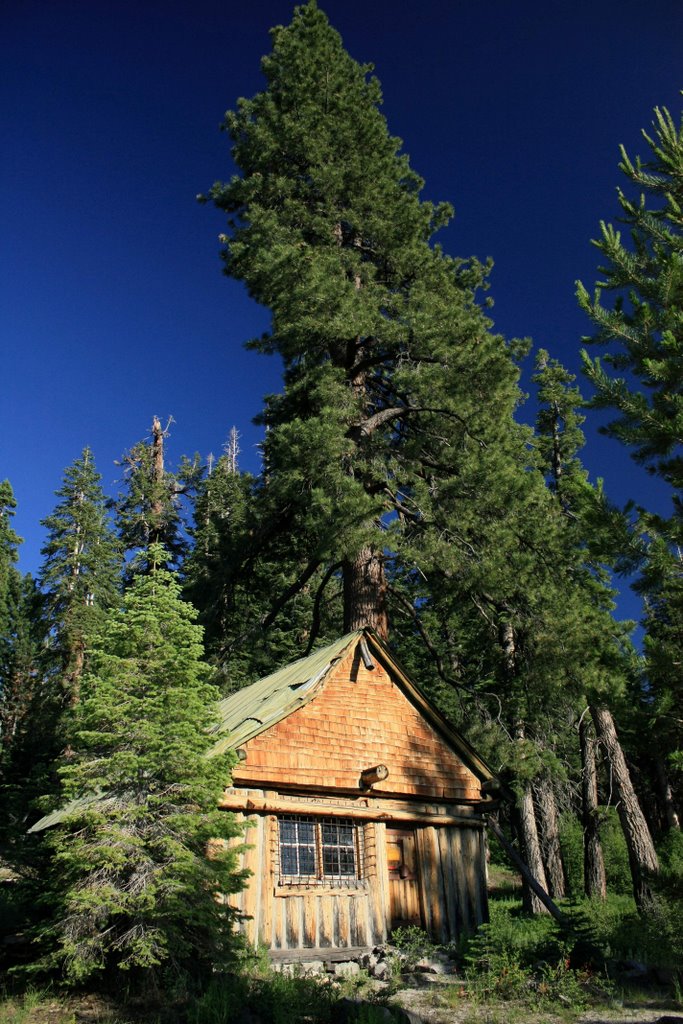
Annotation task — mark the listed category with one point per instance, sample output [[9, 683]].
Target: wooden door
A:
[[404, 887]]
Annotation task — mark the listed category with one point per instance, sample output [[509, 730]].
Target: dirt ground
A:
[[428, 1006], [431, 1007]]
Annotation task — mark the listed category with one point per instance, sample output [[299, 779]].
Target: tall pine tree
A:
[[384, 347], [643, 332]]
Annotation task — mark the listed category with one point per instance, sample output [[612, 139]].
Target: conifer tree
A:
[[233, 578], [132, 884], [28, 710], [81, 567], [559, 439], [148, 511], [643, 332], [382, 341], [9, 543], [643, 327]]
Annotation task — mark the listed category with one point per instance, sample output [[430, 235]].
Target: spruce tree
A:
[[81, 567], [132, 884]]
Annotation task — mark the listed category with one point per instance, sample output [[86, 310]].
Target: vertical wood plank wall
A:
[[452, 883]]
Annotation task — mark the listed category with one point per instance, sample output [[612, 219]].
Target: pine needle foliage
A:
[[644, 326]]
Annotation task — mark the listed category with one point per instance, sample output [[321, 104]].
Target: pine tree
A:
[[81, 567], [148, 511], [132, 884], [644, 334], [382, 341], [232, 578], [643, 327], [559, 440]]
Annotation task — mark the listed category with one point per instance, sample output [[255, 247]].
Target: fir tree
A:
[[133, 886], [9, 544], [231, 577], [80, 571]]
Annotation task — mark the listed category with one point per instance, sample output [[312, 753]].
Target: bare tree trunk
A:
[[365, 593], [157, 508], [532, 852], [667, 796], [550, 837], [641, 851], [526, 815], [594, 879], [73, 670]]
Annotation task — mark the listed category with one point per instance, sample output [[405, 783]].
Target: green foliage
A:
[[571, 841], [81, 568], [640, 380], [131, 885], [148, 510], [274, 997], [28, 708], [615, 853], [235, 573], [644, 324], [413, 944], [527, 960]]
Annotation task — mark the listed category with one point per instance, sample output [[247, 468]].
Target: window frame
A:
[[312, 834]]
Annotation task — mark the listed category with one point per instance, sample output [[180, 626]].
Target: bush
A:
[[272, 997]]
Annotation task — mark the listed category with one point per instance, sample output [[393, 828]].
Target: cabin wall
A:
[[451, 879]]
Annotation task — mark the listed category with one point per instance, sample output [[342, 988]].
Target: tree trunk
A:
[[532, 852], [550, 837], [365, 593], [594, 880], [666, 795], [157, 508], [641, 852]]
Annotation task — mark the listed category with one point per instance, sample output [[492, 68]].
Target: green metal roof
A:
[[266, 702], [80, 804]]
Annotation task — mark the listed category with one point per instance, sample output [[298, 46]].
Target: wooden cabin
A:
[[364, 806]]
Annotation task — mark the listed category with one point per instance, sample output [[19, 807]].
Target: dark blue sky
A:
[[113, 303]]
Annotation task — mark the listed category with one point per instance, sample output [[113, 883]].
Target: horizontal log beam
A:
[[261, 805]]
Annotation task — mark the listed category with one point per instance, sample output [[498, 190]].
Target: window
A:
[[314, 851]]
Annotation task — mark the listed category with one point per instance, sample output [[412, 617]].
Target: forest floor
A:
[[426, 1005], [434, 1008]]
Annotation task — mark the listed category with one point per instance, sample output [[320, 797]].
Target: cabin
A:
[[364, 807]]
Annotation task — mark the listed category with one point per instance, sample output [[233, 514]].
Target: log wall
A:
[[296, 919]]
